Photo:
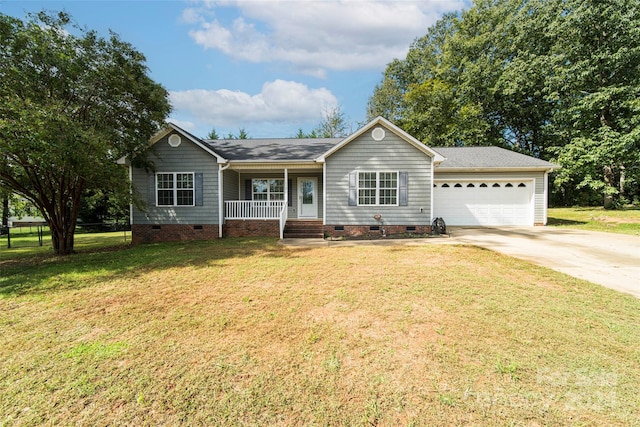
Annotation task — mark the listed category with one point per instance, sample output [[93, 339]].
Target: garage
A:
[[484, 203]]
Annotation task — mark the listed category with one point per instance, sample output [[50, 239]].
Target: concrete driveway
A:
[[611, 260]]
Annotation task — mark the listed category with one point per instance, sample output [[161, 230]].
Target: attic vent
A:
[[175, 140], [378, 134]]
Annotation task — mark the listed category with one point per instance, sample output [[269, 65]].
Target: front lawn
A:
[[249, 332], [626, 221]]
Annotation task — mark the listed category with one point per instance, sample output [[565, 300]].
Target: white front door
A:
[[307, 197]]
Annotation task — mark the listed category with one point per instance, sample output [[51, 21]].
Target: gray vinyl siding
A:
[[231, 185], [187, 157], [391, 154], [540, 202], [293, 176]]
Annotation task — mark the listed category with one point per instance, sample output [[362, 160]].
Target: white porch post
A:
[[286, 187], [221, 169]]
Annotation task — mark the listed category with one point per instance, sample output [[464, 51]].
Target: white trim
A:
[[381, 121], [546, 200], [431, 217], [397, 203], [324, 194], [286, 187], [175, 189]]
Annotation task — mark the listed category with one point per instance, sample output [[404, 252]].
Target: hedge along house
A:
[[379, 180]]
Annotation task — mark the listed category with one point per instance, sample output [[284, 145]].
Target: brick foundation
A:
[[367, 232], [147, 233], [252, 228]]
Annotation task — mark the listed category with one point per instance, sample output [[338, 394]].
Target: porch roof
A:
[[272, 149]]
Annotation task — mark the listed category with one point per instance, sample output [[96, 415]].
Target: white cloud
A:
[[278, 102], [317, 35]]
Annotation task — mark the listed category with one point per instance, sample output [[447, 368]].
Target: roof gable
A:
[[381, 121], [197, 141]]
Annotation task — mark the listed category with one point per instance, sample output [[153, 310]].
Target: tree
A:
[[556, 79], [333, 124], [213, 134], [242, 134], [71, 103]]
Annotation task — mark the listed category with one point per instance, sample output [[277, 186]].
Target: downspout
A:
[[546, 198], [221, 168], [286, 202], [324, 193], [431, 193]]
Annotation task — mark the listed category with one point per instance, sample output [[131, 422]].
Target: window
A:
[[378, 188], [267, 189], [175, 189]]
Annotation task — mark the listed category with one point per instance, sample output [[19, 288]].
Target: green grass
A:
[[25, 244], [249, 332], [625, 221]]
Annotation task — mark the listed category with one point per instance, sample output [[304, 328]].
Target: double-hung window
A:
[[267, 189], [377, 188], [175, 189]]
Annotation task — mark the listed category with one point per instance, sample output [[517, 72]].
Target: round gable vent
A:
[[175, 140], [378, 134]]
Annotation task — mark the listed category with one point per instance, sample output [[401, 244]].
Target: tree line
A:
[[556, 79]]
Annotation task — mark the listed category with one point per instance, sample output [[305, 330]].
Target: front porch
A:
[[260, 201], [260, 218]]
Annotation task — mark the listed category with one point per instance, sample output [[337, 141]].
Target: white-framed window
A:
[[267, 189], [175, 189], [377, 188]]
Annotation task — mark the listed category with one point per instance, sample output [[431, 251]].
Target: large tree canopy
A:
[[557, 79], [71, 103]]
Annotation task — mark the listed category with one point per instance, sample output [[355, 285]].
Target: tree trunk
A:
[[622, 182], [608, 180], [62, 238], [5, 211]]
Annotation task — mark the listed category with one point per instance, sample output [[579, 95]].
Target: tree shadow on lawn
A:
[[560, 221], [46, 274]]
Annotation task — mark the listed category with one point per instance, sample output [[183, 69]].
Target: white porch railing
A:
[[283, 219], [258, 209], [254, 209]]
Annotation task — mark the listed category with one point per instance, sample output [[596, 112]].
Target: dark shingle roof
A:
[[487, 157], [268, 150]]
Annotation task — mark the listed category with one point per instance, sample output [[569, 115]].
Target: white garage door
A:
[[484, 202]]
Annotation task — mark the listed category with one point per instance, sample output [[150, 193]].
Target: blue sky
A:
[[270, 67]]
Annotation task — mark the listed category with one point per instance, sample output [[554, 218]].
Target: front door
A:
[[307, 198]]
